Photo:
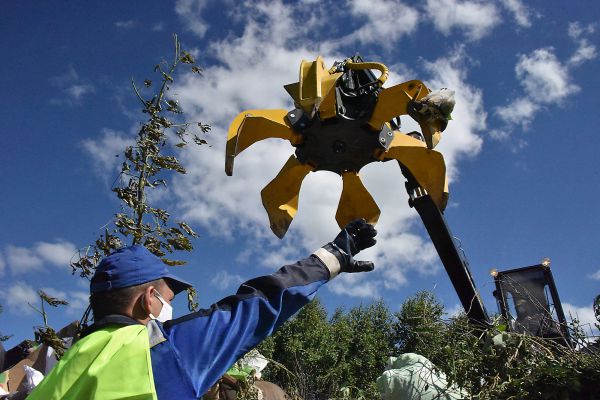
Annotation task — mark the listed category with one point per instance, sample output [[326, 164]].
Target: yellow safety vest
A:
[[111, 363]]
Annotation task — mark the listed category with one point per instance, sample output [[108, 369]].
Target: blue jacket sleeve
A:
[[206, 343]]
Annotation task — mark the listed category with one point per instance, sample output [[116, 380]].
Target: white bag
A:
[[33, 377]]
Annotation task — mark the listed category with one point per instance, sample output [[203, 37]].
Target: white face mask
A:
[[166, 312]]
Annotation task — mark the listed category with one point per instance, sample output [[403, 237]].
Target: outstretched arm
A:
[[206, 343]]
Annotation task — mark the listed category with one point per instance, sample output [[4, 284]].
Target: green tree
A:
[[308, 347], [492, 363], [332, 358], [419, 324], [146, 166], [318, 358], [371, 342]]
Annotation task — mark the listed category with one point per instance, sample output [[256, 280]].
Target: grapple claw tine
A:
[[394, 101], [251, 126], [427, 166], [432, 130], [280, 196], [355, 202]]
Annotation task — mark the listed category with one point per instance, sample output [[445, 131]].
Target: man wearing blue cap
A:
[[134, 350]]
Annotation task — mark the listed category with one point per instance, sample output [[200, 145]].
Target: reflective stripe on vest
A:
[[111, 363]]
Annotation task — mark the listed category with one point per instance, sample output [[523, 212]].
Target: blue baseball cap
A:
[[132, 266]]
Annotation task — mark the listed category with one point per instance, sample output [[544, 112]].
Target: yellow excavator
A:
[[343, 119]]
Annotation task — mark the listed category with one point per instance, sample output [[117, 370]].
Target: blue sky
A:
[[521, 150]]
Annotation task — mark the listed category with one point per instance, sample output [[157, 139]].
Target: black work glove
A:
[[356, 236]]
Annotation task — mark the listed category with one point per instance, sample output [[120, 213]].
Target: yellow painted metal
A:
[[427, 166], [314, 83], [252, 126], [311, 74], [355, 202], [436, 136], [328, 106], [431, 129], [314, 92], [280, 196], [327, 85], [393, 102]]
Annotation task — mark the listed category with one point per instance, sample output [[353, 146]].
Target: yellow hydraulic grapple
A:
[[343, 120]]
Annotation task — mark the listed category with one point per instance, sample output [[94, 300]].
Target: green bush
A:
[[319, 358]]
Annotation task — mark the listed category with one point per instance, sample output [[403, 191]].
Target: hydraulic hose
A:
[[371, 65]]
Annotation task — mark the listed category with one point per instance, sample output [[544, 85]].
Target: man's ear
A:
[[145, 299]]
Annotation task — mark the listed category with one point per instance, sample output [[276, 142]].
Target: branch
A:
[[139, 96], [161, 93]]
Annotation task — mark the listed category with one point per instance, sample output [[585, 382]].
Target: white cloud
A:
[[454, 311], [355, 285], [72, 88], [104, 151], [190, 12], [585, 50], [285, 254], [78, 302], [595, 275], [224, 280], [401, 252], [521, 12], [475, 18], [78, 91], [521, 112], [546, 81], [58, 254], [22, 259], [544, 78], [158, 27], [585, 315], [385, 21], [576, 30], [469, 116], [17, 297], [126, 25]]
